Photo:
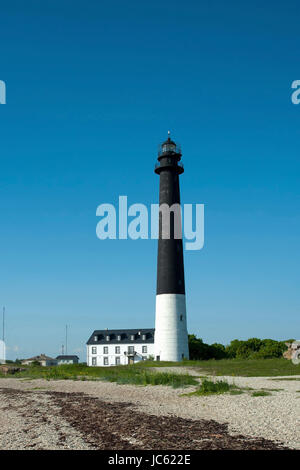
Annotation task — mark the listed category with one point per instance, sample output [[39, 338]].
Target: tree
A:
[[217, 351], [198, 349], [232, 348]]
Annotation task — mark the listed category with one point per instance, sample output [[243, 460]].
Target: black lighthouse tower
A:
[[171, 339]]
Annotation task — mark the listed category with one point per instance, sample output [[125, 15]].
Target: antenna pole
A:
[[66, 339]]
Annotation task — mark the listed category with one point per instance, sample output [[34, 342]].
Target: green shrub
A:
[[208, 387], [200, 350]]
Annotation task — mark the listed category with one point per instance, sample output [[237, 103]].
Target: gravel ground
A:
[[30, 421], [61, 414]]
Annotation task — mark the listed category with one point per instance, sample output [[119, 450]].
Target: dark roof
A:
[[125, 336], [67, 357], [168, 141]]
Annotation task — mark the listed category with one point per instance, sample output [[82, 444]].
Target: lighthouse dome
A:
[[169, 147]]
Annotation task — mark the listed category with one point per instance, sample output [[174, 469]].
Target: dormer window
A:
[[119, 337], [132, 337], [107, 337], [95, 338], [144, 337]]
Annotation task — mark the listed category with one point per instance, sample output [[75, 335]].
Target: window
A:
[[169, 147], [95, 338], [144, 337], [105, 361], [117, 349], [94, 350], [132, 337], [118, 361], [144, 349], [105, 350], [107, 338], [119, 337], [130, 349], [181, 317], [94, 361]]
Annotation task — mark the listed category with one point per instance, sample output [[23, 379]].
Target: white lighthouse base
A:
[[171, 338]]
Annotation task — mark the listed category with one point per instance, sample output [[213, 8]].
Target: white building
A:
[[65, 359], [120, 347], [42, 359]]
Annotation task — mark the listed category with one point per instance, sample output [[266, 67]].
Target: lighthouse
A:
[[171, 338]]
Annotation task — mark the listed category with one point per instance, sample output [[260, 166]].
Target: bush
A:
[[35, 364], [202, 351], [253, 348], [208, 387]]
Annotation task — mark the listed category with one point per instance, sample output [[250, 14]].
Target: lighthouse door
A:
[[130, 360]]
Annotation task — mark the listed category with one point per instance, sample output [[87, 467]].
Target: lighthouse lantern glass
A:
[[169, 148]]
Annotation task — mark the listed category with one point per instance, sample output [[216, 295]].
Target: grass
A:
[[218, 387], [237, 367], [273, 389], [119, 374], [289, 378], [208, 387], [142, 374], [260, 393]]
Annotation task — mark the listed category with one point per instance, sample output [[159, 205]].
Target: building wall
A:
[[95, 357], [42, 363], [67, 361]]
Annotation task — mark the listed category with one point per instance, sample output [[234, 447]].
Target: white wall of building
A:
[[96, 354], [66, 361], [44, 363]]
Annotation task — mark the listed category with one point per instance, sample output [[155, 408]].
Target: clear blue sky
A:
[[92, 88]]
